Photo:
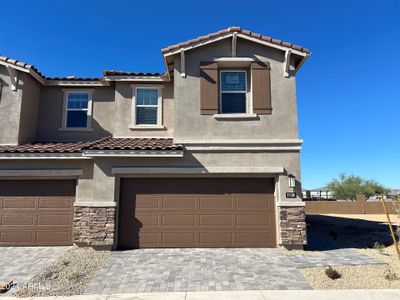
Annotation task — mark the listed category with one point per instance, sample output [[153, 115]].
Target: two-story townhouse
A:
[[203, 155]]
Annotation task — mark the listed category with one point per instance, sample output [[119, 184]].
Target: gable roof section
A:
[[111, 75], [225, 33]]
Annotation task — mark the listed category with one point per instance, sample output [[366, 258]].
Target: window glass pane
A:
[[77, 119], [233, 103], [146, 96], [233, 81], [78, 100], [146, 115]]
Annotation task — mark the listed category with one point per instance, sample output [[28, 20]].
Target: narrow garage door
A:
[[197, 213], [36, 212]]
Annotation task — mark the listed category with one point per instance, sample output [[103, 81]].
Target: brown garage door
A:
[[197, 213], [36, 212]]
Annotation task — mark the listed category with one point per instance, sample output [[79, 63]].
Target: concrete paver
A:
[[20, 264]]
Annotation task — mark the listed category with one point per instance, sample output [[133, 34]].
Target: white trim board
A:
[[134, 153], [42, 156], [95, 204], [197, 170], [288, 142], [41, 172]]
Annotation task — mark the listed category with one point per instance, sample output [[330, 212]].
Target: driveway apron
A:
[[181, 270]]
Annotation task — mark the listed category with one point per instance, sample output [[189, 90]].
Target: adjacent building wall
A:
[[29, 109], [10, 109]]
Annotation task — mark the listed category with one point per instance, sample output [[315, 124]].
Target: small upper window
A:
[[233, 91], [147, 106], [77, 110]]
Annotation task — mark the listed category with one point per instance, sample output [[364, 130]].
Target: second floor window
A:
[[77, 110], [147, 106], [233, 92]]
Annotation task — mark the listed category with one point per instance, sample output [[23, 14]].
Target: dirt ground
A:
[[360, 277], [370, 217], [368, 234]]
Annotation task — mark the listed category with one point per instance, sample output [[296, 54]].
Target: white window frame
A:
[[233, 92], [159, 106], [88, 110]]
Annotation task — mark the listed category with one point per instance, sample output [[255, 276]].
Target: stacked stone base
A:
[[94, 226], [293, 228]]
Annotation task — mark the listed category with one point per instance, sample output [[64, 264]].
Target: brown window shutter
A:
[[261, 87], [208, 88]]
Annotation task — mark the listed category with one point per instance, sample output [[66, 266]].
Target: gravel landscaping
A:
[[360, 277], [69, 275]]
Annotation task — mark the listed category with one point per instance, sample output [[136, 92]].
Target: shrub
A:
[[379, 247], [332, 273], [390, 274], [74, 276], [65, 262]]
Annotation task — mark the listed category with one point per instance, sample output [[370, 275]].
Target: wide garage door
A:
[[36, 212], [196, 213]]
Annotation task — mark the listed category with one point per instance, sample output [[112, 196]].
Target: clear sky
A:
[[348, 91]]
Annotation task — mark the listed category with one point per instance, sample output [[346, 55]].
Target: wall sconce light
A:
[[292, 181]]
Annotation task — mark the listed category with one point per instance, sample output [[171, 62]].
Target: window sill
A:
[[76, 129], [236, 116], [147, 127]]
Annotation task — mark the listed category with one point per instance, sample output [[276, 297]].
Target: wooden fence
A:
[[360, 206]]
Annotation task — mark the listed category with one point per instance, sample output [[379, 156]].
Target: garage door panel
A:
[[174, 239], [253, 220], [17, 202], [252, 202], [216, 202], [148, 238], [17, 220], [197, 213], [253, 237], [179, 202], [179, 220], [146, 202], [58, 237], [36, 212], [148, 220], [216, 238], [53, 202], [54, 220], [216, 220], [17, 237]]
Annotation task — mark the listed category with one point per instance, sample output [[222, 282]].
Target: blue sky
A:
[[348, 91]]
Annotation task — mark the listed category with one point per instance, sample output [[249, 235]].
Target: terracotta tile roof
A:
[[135, 144], [56, 147], [20, 64], [73, 78], [230, 30], [108, 143], [123, 73]]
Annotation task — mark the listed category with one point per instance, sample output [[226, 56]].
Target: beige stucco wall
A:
[[111, 114], [51, 110], [29, 109], [190, 125], [10, 109], [124, 111]]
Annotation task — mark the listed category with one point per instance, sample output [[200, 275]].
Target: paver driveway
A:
[[20, 264], [166, 270]]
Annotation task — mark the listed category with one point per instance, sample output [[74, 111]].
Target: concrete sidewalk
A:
[[244, 295]]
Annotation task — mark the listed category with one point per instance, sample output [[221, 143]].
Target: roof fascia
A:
[[29, 71]]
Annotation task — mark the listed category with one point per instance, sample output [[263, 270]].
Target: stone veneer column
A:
[[94, 226], [293, 228]]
